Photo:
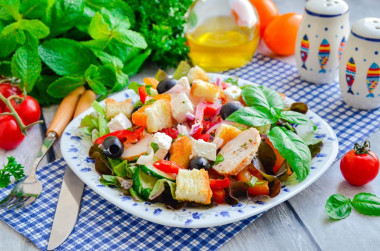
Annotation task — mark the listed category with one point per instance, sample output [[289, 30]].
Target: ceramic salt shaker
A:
[[321, 39], [359, 72]]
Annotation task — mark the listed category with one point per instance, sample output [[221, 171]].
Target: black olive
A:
[[229, 108], [165, 85], [199, 163], [136, 108], [112, 147]]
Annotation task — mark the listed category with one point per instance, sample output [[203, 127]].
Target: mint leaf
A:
[[5, 68], [10, 8], [338, 207], [64, 85], [33, 8], [106, 58], [367, 204], [26, 65], [65, 14], [122, 81], [125, 52], [98, 44], [133, 66], [253, 116], [116, 18], [98, 28], [92, 76], [293, 149], [130, 38], [297, 118], [65, 56], [262, 96], [8, 44]]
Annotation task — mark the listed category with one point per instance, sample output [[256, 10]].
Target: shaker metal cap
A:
[[367, 29], [326, 8]]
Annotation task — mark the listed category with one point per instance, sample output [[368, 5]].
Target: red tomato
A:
[[8, 90], [218, 195], [360, 166], [167, 166], [267, 11], [280, 35], [279, 158], [171, 132], [10, 133], [29, 110]]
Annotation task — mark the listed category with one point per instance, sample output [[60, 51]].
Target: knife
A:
[[70, 196]]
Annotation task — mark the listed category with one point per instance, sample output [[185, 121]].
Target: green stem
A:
[[13, 112], [289, 127]]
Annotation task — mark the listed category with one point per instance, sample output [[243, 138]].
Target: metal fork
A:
[[28, 190]]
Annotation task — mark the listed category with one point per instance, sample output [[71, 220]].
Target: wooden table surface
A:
[[298, 224]]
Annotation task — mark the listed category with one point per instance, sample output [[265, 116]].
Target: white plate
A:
[[75, 146]]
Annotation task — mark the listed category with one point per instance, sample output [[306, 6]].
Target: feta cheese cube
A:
[[184, 82], [203, 149], [232, 93], [181, 105], [163, 142], [119, 122]]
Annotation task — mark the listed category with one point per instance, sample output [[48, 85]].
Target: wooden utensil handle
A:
[[65, 111], [84, 102]]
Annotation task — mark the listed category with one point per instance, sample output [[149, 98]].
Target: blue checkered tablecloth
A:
[[103, 226]]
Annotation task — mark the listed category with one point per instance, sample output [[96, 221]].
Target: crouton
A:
[[193, 185], [202, 89], [133, 151], [239, 152], [180, 151], [113, 108], [196, 73], [159, 115], [226, 133]]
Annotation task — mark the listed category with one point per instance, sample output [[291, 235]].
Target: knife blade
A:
[[70, 196]]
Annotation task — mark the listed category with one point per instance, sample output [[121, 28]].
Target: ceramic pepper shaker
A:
[[359, 72], [321, 39]]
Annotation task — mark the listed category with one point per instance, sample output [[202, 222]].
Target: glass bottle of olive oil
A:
[[222, 34]]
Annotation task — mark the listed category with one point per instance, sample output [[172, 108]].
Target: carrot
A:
[[260, 189], [151, 81], [163, 96], [139, 117]]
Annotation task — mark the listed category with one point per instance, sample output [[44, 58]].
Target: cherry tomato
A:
[[280, 35], [29, 110], [10, 133], [7, 90], [267, 11], [360, 166]]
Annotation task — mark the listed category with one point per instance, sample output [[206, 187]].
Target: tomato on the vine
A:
[[29, 110], [360, 166], [10, 133], [8, 90]]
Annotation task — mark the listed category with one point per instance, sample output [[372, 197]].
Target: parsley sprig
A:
[[12, 168]]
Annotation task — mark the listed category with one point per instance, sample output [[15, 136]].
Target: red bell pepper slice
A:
[[124, 136], [218, 195], [171, 132], [167, 166], [218, 184], [205, 137], [143, 94]]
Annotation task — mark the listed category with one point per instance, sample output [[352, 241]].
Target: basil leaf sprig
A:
[[266, 107], [338, 207]]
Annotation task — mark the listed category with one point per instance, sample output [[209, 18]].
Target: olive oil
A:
[[220, 44]]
